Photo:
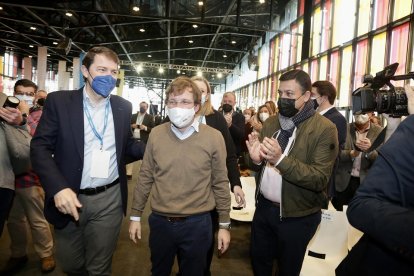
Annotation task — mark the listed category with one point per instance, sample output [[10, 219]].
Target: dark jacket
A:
[[237, 130], [343, 173], [217, 121], [148, 122], [383, 207], [57, 149]]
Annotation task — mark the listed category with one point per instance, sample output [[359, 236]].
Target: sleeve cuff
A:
[[280, 159], [133, 218]]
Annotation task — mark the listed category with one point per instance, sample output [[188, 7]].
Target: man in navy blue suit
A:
[[80, 149], [324, 95]]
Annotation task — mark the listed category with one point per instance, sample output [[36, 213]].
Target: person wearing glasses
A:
[[184, 169]]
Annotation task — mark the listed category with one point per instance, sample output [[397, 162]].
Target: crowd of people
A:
[[302, 152]]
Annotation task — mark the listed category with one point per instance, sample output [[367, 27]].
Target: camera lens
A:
[[11, 101]]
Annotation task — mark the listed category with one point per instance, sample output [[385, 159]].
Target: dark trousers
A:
[[285, 239], [343, 198], [189, 238], [6, 200], [210, 253]]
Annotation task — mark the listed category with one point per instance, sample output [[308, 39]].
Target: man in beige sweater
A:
[[184, 169]]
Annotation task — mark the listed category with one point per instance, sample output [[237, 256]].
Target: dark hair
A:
[[144, 102], [25, 83], [326, 88], [99, 50], [300, 76], [179, 85]]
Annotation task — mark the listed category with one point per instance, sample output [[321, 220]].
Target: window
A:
[[333, 68], [360, 62], [401, 8], [323, 62], [299, 42], [294, 45], [344, 21], [364, 10], [399, 49], [314, 70], [345, 80], [316, 31], [378, 48], [326, 25], [380, 13]]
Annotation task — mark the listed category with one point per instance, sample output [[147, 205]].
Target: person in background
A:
[[184, 188], [323, 97], [296, 150], [271, 107], [11, 116], [28, 202], [356, 158], [263, 114], [383, 208], [235, 120], [35, 111], [79, 150], [141, 124], [207, 115], [244, 161]]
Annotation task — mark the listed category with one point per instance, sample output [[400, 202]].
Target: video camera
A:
[[371, 97]]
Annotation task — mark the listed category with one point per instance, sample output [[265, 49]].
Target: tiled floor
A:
[[131, 259]]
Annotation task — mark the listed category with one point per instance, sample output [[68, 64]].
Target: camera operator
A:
[[11, 116], [383, 208]]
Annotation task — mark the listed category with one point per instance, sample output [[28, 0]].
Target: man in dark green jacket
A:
[[296, 150]]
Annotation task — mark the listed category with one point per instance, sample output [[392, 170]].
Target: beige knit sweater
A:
[[184, 177]]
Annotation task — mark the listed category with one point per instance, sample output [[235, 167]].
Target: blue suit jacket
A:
[[57, 149]]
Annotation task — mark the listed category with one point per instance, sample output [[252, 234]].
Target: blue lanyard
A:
[[92, 125]]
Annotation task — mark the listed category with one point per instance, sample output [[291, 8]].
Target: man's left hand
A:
[[364, 144], [13, 116], [223, 238], [270, 150], [239, 196]]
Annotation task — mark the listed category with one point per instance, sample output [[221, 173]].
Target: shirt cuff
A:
[[133, 218], [280, 160]]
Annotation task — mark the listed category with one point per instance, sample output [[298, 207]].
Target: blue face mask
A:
[[103, 85]]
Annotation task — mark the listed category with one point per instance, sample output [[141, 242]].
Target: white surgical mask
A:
[[361, 119], [263, 116], [181, 117], [203, 99], [247, 117], [27, 99]]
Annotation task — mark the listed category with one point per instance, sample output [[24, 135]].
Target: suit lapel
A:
[[117, 113], [76, 120]]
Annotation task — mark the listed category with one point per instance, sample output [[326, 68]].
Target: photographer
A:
[[383, 208], [12, 116]]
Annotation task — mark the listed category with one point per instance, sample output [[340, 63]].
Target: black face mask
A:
[[315, 104], [287, 107], [227, 108], [41, 102]]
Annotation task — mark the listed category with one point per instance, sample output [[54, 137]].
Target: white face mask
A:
[[203, 99], [263, 116], [361, 119], [27, 99], [247, 117], [181, 117]]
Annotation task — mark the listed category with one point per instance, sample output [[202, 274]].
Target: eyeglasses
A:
[[184, 103]]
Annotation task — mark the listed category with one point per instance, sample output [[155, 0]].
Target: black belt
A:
[[176, 219], [97, 190]]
